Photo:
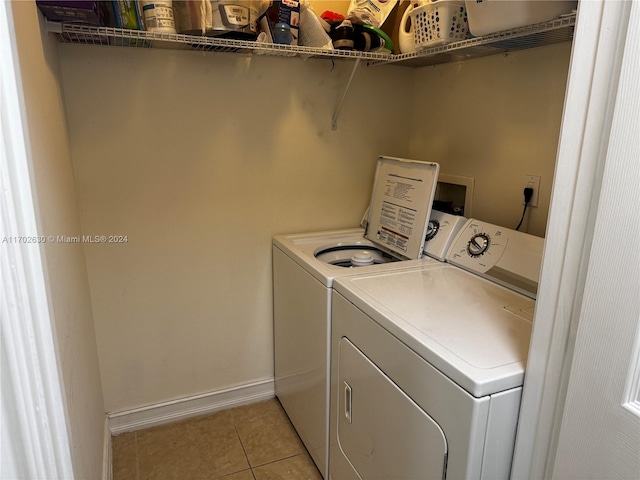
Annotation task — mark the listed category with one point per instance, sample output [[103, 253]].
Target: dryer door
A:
[[382, 432]]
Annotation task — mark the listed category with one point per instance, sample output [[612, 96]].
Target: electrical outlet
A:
[[533, 181]]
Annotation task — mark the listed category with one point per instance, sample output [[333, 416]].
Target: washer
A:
[[305, 267], [428, 362]]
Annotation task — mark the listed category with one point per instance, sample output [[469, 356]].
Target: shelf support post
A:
[[334, 121]]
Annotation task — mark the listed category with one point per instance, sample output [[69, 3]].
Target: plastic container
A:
[[406, 41], [312, 32], [158, 16], [342, 36], [193, 17], [490, 16], [377, 41], [439, 22], [286, 12], [282, 33], [236, 19]]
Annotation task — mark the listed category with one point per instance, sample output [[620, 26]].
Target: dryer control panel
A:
[[505, 256]]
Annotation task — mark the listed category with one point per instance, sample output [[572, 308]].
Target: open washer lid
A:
[[400, 207]]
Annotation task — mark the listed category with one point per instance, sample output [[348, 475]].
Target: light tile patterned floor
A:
[[252, 442]]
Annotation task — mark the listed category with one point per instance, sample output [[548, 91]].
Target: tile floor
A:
[[252, 442]]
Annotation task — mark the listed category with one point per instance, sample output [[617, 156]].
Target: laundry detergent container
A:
[[490, 16]]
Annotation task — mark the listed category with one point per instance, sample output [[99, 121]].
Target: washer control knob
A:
[[432, 229], [478, 244]]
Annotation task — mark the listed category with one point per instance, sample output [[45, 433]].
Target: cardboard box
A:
[[286, 11], [90, 13]]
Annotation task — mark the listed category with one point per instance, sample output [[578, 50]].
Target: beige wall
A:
[[64, 263], [200, 159], [495, 119], [337, 6]]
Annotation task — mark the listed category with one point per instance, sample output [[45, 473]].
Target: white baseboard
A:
[[182, 408], [107, 457]]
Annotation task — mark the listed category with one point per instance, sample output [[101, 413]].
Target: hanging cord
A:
[[528, 193]]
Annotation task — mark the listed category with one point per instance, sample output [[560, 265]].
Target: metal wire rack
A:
[[531, 36], [89, 35]]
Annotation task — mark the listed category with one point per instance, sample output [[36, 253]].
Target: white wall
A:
[[496, 119], [65, 265], [200, 159]]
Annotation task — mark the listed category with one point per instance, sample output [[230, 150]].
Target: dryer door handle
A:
[[348, 401]]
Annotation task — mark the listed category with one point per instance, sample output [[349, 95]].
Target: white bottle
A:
[[158, 16], [406, 36]]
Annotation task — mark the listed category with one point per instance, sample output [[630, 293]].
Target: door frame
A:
[[35, 436], [592, 84]]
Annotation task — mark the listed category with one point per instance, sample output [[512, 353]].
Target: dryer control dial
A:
[[478, 244]]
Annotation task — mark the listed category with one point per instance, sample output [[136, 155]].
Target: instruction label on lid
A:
[[403, 192]]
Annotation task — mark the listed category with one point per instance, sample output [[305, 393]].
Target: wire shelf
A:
[[531, 36], [89, 35]]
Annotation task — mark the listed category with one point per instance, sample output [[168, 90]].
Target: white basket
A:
[[439, 22], [490, 16]]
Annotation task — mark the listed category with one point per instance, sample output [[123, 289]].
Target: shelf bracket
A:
[[334, 121]]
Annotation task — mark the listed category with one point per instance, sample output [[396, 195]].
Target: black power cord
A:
[[528, 193]]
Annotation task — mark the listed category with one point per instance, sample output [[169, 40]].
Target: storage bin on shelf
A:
[[490, 16], [438, 22]]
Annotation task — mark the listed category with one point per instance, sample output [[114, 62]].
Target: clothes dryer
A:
[[428, 362], [304, 269]]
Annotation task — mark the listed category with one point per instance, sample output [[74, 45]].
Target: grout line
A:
[[283, 458], [244, 450], [251, 468], [135, 446]]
